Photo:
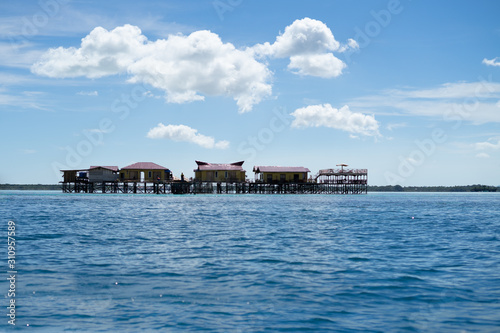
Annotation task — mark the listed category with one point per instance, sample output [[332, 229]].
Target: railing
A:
[[342, 171]]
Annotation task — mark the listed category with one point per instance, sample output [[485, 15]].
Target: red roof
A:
[[259, 169], [145, 166], [219, 166], [112, 168]]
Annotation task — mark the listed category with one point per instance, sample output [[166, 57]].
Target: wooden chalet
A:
[[280, 175], [75, 175], [218, 172], [145, 172], [99, 173]]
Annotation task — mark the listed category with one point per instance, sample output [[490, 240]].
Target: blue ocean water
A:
[[382, 262]]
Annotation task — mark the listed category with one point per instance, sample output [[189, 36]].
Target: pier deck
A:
[[331, 187]]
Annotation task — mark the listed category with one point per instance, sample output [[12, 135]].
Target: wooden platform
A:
[[338, 186]]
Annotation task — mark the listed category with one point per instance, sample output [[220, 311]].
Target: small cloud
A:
[[88, 93], [185, 134], [390, 127], [224, 144], [343, 119], [490, 144], [351, 45], [483, 155], [150, 95], [491, 62]]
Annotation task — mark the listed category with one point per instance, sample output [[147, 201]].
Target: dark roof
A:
[[219, 166], [259, 169], [112, 167], [144, 166]]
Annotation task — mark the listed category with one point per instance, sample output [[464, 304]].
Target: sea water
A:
[[388, 262]]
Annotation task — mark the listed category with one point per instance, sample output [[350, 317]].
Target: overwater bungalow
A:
[[280, 175], [219, 172], [145, 172], [100, 173], [75, 175]]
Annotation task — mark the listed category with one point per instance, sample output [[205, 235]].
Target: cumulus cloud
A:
[[491, 62], [189, 67], [184, 67], [185, 134], [322, 65], [309, 44], [101, 53], [305, 36], [343, 119]]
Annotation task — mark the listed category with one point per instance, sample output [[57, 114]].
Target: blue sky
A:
[[409, 90]]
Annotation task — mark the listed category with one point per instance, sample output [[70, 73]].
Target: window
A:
[[149, 174], [216, 174], [225, 174]]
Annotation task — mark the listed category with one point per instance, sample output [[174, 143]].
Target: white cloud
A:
[[308, 43], [351, 44], [481, 89], [188, 68], [23, 100], [88, 93], [322, 65], [18, 55], [101, 53], [483, 155], [476, 102], [392, 126], [182, 66], [491, 62], [488, 145], [344, 119], [185, 134], [305, 36]]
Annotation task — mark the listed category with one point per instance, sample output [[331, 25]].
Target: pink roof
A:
[[112, 168], [219, 166], [145, 166], [259, 169]]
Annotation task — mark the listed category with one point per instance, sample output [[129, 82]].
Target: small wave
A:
[[358, 259], [407, 278]]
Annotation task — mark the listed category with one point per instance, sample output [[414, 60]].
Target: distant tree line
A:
[[465, 188], [30, 187]]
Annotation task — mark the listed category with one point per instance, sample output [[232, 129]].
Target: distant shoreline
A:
[[387, 188], [460, 188]]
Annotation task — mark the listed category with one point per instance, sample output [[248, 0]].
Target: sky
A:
[[409, 90]]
